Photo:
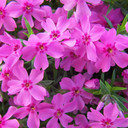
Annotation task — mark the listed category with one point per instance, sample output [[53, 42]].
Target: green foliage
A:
[[121, 28], [30, 31]]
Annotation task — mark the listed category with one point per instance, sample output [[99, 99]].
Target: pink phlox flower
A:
[[115, 15], [80, 122], [125, 76], [39, 48], [57, 32], [87, 35], [109, 118], [26, 8], [110, 50], [26, 86], [92, 84], [6, 74], [5, 19], [32, 111], [90, 67], [10, 49], [58, 112], [68, 59], [81, 6], [5, 122], [59, 12], [76, 92]]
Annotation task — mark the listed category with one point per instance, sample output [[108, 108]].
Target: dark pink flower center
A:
[[86, 39], [6, 74], [55, 34], [107, 123], [73, 55], [1, 44], [2, 13], [58, 113], [41, 47], [16, 47], [28, 7], [27, 84], [109, 50], [76, 91]]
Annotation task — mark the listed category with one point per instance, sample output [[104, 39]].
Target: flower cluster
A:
[[70, 51]]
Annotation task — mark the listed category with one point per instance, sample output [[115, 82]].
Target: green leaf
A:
[[121, 105], [47, 82], [70, 13], [118, 88], [102, 76], [109, 9], [104, 88], [109, 22], [108, 85], [126, 115], [121, 28], [113, 77], [121, 98], [124, 21], [30, 31], [95, 92]]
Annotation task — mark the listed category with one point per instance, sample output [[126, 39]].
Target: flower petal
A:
[[33, 120], [24, 97], [41, 61], [36, 75], [67, 84], [38, 92]]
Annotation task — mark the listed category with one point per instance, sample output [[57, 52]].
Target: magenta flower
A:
[[57, 32], [110, 51], [87, 35], [115, 15], [10, 49], [82, 8], [125, 76], [69, 4], [26, 86], [39, 48], [5, 122], [109, 119], [57, 112], [76, 93], [32, 111], [26, 8], [5, 19]]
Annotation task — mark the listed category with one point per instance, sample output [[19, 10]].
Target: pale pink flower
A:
[[5, 122], [58, 112], [109, 118], [26, 86]]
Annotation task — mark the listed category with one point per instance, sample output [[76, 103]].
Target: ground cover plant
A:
[[63, 64]]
